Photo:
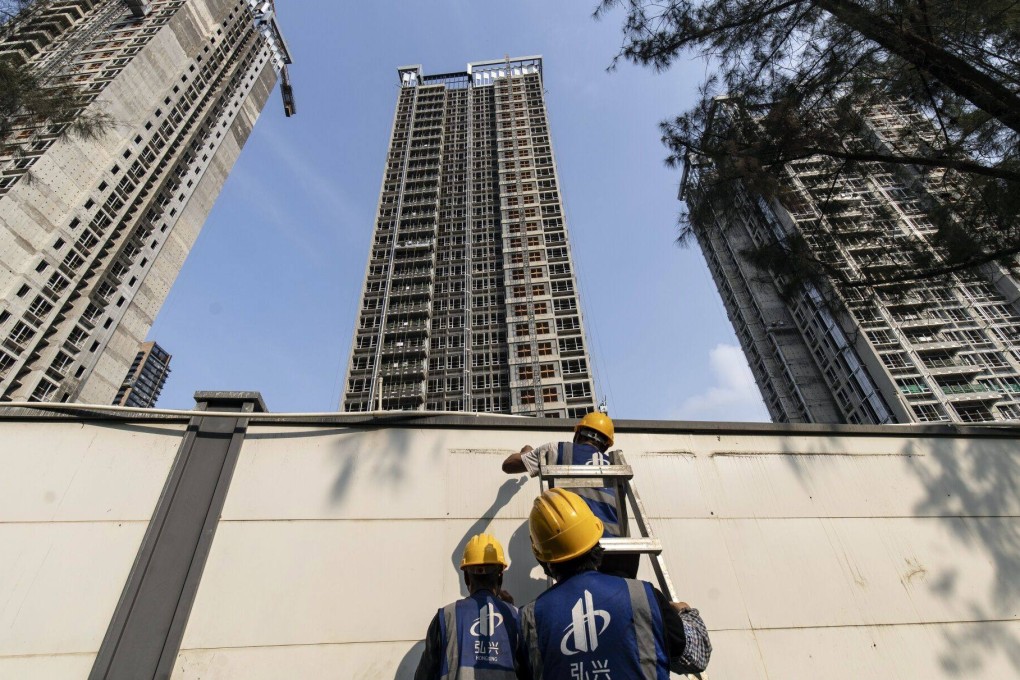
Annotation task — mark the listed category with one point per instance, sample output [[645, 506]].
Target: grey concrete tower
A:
[[948, 350], [91, 245], [470, 300], [145, 378]]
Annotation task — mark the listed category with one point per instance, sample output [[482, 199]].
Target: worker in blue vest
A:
[[476, 637], [593, 435], [594, 626]]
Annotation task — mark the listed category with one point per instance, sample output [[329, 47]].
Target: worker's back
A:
[[596, 625], [603, 501], [480, 633]]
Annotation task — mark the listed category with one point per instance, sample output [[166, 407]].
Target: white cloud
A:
[[733, 397]]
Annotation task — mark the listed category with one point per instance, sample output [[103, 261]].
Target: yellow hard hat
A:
[[562, 526], [483, 550], [599, 422]]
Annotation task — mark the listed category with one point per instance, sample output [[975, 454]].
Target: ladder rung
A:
[[623, 545], [587, 471], [582, 483]]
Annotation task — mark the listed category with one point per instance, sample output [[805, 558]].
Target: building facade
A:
[[146, 377], [470, 301], [946, 350], [94, 232]]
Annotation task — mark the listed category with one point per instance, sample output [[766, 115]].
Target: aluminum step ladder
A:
[[619, 477]]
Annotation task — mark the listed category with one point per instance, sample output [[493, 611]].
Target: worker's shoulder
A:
[[547, 449]]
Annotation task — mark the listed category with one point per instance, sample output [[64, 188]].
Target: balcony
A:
[[905, 301], [412, 292], [402, 402], [55, 375], [405, 350], [424, 244], [414, 310], [954, 369], [914, 390], [407, 328], [921, 322], [403, 372], [969, 392], [935, 345], [31, 318], [14, 345]]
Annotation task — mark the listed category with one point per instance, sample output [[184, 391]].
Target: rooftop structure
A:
[[90, 247], [145, 378], [470, 301], [948, 350]]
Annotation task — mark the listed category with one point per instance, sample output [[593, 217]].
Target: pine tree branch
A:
[[977, 87]]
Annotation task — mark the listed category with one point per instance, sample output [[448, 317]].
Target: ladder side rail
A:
[[640, 516], [620, 488], [658, 562]]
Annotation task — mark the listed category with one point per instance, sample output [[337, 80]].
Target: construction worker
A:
[[593, 435], [592, 625], [476, 637]]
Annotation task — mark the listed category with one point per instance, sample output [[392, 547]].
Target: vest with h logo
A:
[[602, 501], [480, 635], [596, 626]]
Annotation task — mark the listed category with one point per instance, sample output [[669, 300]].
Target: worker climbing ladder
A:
[[617, 476]]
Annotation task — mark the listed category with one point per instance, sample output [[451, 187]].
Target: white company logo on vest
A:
[[599, 458], [485, 627], [584, 630], [488, 621]]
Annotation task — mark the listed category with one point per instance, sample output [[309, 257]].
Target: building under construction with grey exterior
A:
[[945, 350], [146, 377], [93, 232], [470, 300]]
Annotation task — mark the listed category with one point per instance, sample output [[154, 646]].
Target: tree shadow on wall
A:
[[979, 484], [971, 485], [384, 451]]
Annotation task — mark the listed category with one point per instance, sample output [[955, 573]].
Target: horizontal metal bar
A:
[[586, 483], [587, 471], [644, 546]]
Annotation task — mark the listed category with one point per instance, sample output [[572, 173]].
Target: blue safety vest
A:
[[594, 625], [601, 500], [480, 635]]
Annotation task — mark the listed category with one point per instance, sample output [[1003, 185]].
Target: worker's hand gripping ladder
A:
[[617, 476]]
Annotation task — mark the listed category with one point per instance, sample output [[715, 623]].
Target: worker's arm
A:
[[514, 463], [430, 665], [687, 643]]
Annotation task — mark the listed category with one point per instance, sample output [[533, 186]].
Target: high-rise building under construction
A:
[[94, 231], [470, 300], [944, 350]]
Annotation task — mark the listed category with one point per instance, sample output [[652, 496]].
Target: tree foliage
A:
[[34, 101], [802, 75]]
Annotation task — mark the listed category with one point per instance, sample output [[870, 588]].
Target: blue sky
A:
[[268, 297]]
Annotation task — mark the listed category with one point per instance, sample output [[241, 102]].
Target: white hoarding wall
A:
[[811, 554], [75, 500]]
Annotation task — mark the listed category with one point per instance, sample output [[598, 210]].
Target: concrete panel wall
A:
[[74, 504], [887, 553]]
